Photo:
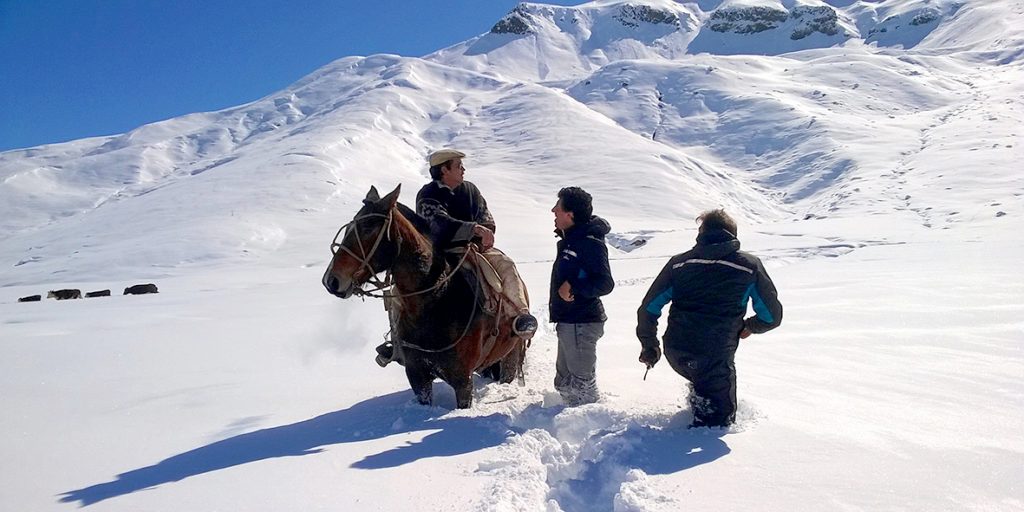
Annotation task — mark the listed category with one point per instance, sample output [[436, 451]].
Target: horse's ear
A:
[[392, 198], [372, 195]]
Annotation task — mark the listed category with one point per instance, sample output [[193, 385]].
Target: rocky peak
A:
[[814, 19], [517, 21], [805, 20], [746, 20], [633, 15]]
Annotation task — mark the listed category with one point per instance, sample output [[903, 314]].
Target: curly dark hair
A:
[[716, 219], [577, 201]]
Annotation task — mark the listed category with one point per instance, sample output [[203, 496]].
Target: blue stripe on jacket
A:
[[659, 302], [760, 308]]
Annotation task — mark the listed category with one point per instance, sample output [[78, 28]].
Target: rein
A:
[[364, 261], [472, 314], [387, 283]]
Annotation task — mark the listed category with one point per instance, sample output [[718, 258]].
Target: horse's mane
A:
[[417, 221]]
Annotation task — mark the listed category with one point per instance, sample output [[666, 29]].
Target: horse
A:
[[141, 289], [65, 294], [439, 326]]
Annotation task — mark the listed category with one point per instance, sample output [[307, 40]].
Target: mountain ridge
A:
[[766, 136]]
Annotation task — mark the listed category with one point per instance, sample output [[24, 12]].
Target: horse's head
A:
[[364, 247]]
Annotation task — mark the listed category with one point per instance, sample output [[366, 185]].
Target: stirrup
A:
[[524, 325], [385, 354]]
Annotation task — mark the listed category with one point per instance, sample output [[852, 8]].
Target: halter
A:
[[364, 260], [387, 284]]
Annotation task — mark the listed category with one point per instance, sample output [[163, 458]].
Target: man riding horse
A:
[[458, 216]]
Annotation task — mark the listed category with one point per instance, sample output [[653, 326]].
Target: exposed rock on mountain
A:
[[515, 22], [633, 15]]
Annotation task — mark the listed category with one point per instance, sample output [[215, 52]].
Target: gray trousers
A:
[[575, 367]]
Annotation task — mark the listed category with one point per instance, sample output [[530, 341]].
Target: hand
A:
[[565, 292], [744, 333], [486, 236], [650, 356]]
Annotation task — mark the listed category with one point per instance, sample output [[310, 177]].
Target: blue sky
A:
[[78, 68]]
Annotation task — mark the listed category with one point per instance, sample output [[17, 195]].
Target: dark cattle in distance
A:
[[64, 294], [101, 293], [140, 289], [31, 298]]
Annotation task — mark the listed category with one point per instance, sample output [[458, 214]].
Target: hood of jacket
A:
[[596, 227], [716, 243]]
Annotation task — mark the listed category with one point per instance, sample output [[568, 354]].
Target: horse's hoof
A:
[[382, 361]]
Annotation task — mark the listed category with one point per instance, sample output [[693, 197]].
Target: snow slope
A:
[[875, 170]]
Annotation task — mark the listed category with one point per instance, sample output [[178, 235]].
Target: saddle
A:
[[482, 276], [490, 289]]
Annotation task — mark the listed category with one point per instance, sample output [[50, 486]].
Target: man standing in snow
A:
[[579, 277], [708, 287], [458, 215]]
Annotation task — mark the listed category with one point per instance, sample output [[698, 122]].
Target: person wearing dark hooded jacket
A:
[[579, 277], [709, 287]]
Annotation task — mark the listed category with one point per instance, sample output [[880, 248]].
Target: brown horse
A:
[[439, 326]]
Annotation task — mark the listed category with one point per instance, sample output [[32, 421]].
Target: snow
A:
[[877, 177]]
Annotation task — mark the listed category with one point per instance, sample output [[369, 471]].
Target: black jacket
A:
[[709, 287], [453, 213], [582, 260]]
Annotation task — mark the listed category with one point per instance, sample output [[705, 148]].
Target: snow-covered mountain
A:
[[595, 91], [869, 148]]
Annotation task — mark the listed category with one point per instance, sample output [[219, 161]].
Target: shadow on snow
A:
[[663, 448], [612, 447], [655, 451], [370, 419]]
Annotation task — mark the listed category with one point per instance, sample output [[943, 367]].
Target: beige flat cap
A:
[[443, 155]]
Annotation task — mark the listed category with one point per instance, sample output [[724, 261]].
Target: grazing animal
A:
[[31, 298], [64, 294], [439, 328], [141, 289], [101, 293]]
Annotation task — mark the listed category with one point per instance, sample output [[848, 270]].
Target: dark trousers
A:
[[713, 378]]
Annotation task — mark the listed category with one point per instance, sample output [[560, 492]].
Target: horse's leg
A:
[[492, 372], [510, 364], [463, 391], [421, 381]]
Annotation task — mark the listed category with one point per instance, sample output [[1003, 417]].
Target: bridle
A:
[[385, 285], [364, 260]]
